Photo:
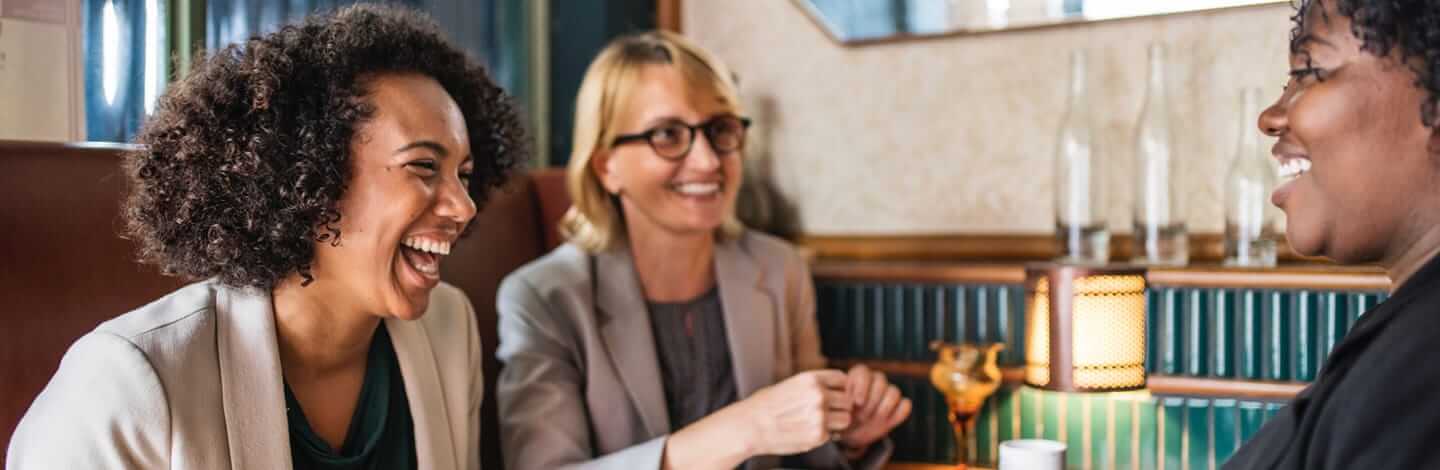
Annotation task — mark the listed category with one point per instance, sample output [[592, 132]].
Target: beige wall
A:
[[957, 135]]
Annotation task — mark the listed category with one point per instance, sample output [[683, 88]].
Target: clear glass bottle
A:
[[1159, 236], [1080, 224], [1250, 219]]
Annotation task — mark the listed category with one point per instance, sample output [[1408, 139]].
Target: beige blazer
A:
[[193, 381], [581, 386]]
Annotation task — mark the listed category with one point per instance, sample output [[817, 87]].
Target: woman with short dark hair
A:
[[1361, 158]]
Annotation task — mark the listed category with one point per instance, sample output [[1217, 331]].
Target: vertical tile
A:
[[1075, 428], [1172, 332], [1031, 415], [1304, 344], [1197, 430], [1149, 431], [959, 302], [917, 348], [1226, 429], [1278, 334], [933, 326], [982, 434], [1126, 434], [875, 321], [892, 322], [1172, 421], [859, 343], [1223, 330], [1052, 406], [1102, 441], [1006, 400], [1014, 354], [825, 318], [1252, 417], [979, 311], [1152, 330], [1197, 342], [1333, 317], [1249, 307]]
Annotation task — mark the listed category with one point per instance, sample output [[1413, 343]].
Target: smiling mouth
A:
[[696, 189], [1293, 167], [424, 254]]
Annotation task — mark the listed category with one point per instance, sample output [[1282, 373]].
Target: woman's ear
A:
[[603, 166]]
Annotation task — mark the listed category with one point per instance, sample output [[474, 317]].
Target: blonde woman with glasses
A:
[[664, 334]]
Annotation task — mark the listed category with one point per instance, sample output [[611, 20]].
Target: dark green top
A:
[[381, 434]]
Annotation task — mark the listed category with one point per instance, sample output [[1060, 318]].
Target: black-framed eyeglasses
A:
[[672, 140]]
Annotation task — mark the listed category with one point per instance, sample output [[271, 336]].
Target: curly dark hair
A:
[[240, 169], [1413, 26]]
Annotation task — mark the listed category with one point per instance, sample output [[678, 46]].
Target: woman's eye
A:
[[465, 177], [424, 167]]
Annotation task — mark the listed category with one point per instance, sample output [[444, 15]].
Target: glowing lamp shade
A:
[[1085, 328]]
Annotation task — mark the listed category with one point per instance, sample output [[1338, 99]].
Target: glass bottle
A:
[[1080, 225], [1250, 219], [1159, 236]]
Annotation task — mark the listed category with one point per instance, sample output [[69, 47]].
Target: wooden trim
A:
[[667, 15], [1227, 388], [918, 369], [1156, 384], [918, 271], [1289, 277], [1204, 247], [1326, 277]]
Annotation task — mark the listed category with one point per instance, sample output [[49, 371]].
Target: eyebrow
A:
[[425, 144]]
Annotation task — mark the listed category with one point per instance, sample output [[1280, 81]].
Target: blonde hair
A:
[[595, 222]]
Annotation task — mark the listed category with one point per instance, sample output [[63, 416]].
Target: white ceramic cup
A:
[[1032, 454]]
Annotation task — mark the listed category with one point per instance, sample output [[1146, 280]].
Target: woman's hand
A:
[[791, 417], [879, 408]]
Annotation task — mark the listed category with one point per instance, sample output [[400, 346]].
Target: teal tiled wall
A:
[[1203, 332]]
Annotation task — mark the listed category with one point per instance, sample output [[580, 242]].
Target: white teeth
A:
[[698, 189], [429, 246], [1294, 167]]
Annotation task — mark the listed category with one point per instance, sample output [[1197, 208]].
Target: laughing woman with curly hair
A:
[[312, 180], [1358, 139]]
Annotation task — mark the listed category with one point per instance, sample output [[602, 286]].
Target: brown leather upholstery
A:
[[64, 269]]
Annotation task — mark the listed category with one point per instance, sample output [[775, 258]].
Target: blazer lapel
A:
[[625, 326], [749, 317], [433, 446], [250, 380]]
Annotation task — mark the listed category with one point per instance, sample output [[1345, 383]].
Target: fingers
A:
[[889, 401], [837, 420], [901, 412], [830, 378], [859, 383], [836, 400], [878, 387]]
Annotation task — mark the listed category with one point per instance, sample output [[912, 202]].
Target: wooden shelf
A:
[[1158, 384]]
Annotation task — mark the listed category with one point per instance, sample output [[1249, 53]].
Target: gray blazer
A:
[[581, 384], [193, 381]]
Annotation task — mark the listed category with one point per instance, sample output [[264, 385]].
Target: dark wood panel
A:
[[667, 15]]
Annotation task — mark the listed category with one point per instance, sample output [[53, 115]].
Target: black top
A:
[[381, 434], [1374, 404], [694, 354]]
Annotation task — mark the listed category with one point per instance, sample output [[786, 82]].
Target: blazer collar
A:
[[750, 317], [433, 445], [250, 379], [252, 385], [625, 326]]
